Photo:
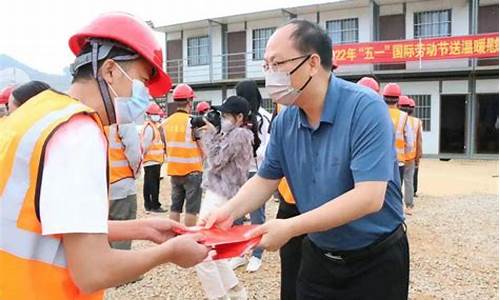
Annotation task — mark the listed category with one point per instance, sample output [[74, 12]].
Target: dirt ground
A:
[[453, 236]]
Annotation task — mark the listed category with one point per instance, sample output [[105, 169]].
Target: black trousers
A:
[[151, 189], [415, 180], [290, 254], [382, 275], [401, 174]]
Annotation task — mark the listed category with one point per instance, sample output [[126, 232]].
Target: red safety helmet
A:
[[392, 90], [5, 94], [369, 83], [411, 102], [132, 33], [154, 109], [202, 107], [404, 101], [183, 92]]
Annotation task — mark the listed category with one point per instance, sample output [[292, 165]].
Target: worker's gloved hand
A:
[[159, 230], [221, 218], [185, 250]]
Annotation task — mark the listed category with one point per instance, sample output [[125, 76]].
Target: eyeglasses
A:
[[275, 65]]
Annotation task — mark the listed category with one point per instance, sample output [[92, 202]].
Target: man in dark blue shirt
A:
[[334, 145]]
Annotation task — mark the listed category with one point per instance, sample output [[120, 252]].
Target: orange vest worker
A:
[[32, 266]]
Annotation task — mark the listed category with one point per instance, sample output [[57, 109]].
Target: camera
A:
[[212, 116]]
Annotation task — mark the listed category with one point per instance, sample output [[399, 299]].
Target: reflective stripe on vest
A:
[[119, 165], [156, 149], [285, 191], [32, 266], [399, 119], [183, 154], [414, 126]]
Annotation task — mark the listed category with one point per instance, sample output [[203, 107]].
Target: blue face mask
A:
[[131, 109]]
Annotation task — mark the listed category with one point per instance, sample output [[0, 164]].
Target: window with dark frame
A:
[[423, 110], [259, 40], [198, 52], [434, 23], [343, 31]]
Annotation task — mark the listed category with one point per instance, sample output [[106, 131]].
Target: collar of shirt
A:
[[329, 107]]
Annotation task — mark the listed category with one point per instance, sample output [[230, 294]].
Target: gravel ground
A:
[[453, 236]]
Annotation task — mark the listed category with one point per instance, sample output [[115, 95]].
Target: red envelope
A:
[[227, 243]]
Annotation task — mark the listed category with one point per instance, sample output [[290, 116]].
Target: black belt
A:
[[368, 251]]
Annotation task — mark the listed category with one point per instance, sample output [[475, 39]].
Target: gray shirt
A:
[[228, 161], [131, 141]]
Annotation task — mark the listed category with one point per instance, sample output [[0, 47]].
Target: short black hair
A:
[[28, 90], [86, 72], [310, 38]]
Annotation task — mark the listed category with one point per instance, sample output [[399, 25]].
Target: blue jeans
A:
[[257, 217]]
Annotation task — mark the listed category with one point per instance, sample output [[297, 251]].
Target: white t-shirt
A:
[[74, 194], [264, 139]]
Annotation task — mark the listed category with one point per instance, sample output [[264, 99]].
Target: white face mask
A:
[[131, 109], [279, 85], [155, 118], [226, 125]]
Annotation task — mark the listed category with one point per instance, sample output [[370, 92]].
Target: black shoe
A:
[[158, 210], [415, 195]]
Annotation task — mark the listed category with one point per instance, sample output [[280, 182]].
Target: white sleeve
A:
[[74, 193], [148, 137], [264, 135], [132, 142]]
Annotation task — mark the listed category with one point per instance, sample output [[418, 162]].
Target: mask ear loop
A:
[[123, 71], [297, 67], [300, 65]]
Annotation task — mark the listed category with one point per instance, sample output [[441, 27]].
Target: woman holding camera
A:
[[229, 153]]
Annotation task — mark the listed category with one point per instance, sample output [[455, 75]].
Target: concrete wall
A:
[[459, 26], [202, 73], [487, 86]]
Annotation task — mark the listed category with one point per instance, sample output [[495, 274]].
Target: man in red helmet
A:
[[184, 158], [154, 154], [54, 185], [412, 160], [402, 142], [4, 100], [369, 82], [202, 107]]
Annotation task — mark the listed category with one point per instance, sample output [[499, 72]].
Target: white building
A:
[[457, 99]]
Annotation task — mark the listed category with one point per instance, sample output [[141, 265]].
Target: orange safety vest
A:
[[183, 154], [285, 192], [32, 266], [156, 150], [283, 187], [399, 119], [119, 167], [414, 129]]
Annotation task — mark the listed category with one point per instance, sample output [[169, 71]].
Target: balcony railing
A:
[[226, 67], [238, 66]]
